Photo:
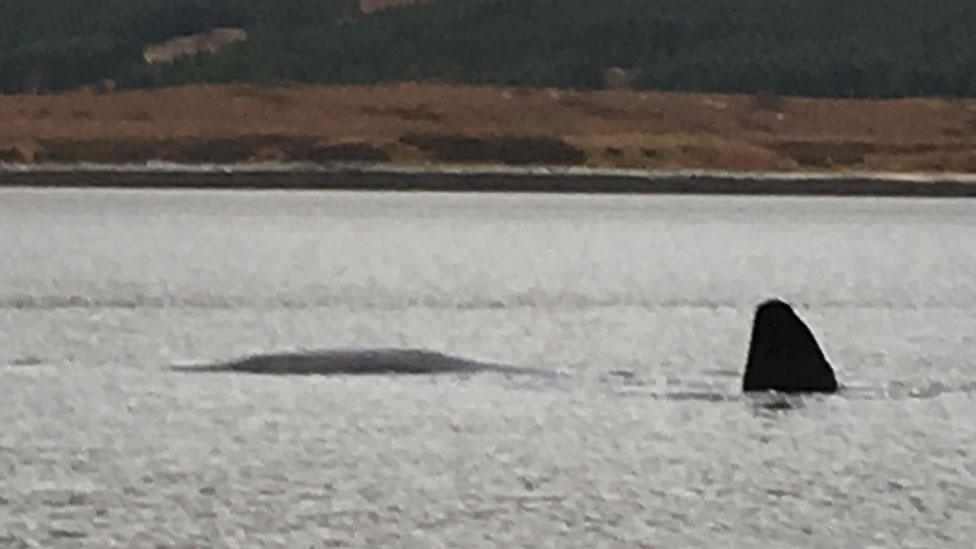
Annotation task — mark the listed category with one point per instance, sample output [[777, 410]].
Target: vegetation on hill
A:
[[799, 47], [421, 124], [58, 44]]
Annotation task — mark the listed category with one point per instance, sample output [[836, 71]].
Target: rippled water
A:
[[644, 302]]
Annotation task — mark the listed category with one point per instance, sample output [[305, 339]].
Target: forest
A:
[[828, 48]]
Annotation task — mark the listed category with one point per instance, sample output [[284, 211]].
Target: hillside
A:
[[416, 124], [369, 6], [835, 48]]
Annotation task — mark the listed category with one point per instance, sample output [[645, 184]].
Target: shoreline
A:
[[502, 179]]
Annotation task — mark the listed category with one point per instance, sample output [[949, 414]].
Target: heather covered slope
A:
[[798, 47], [431, 123]]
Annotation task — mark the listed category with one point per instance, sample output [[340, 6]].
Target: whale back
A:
[[784, 356], [358, 362]]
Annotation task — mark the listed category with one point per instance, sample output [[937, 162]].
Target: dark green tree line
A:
[[858, 48]]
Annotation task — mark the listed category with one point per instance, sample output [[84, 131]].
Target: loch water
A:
[[644, 303]]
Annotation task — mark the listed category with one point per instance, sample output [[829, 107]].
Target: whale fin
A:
[[784, 356]]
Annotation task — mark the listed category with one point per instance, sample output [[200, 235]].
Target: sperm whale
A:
[[784, 355]]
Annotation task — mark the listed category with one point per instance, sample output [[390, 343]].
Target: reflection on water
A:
[[644, 303]]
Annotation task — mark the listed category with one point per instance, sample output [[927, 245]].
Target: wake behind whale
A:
[[783, 356]]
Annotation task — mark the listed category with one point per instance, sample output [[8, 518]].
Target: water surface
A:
[[644, 302]]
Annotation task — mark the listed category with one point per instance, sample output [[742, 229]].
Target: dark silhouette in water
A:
[[359, 362], [783, 354]]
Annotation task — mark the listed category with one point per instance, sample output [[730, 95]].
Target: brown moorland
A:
[[423, 123]]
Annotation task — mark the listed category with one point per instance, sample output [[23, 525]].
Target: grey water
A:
[[643, 303]]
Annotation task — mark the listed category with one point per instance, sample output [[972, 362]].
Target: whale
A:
[[359, 362], [784, 356]]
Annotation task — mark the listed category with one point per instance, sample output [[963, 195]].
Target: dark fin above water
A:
[[783, 354], [358, 362]]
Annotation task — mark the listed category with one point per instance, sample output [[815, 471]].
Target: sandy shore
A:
[[487, 179]]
